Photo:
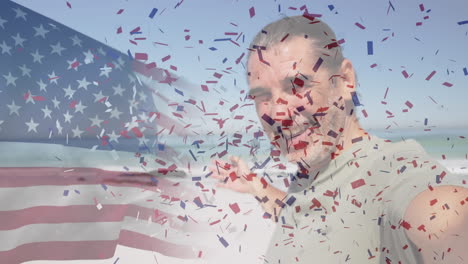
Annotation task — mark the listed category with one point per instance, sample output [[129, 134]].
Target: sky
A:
[[399, 44]]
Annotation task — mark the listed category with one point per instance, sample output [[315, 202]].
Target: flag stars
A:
[[57, 48], [53, 77], [114, 137], [105, 71], [98, 96], [40, 31], [42, 85], [96, 121], [13, 108], [20, 13], [76, 41], [77, 132], [69, 92], [32, 126], [80, 107], [59, 127], [115, 113], [10, 79], [67, 117], [18, 40], [56, 102], [83, 83], [37, 57], [5, 48], [2, 22], [25, 70], [46, 112], [118, 90], [89, 57], [30, 97], [73, 64]]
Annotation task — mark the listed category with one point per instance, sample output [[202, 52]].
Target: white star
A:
[[98, 96], [42, 85], [31, 125], [83, 83], [40, 31], [10, 79], [69, 92], [89, 57], [79, 107], [59, 127], [30, 98], [115, 113], [71, 66], [18, 40], [96, 121], [101, 51], [14, 108], [142, 141], [114, 137], [25, 70], [47, 112], [57, 48], [118, 90], [20, 13], [68, 117], [2, 21], [142, 96], [1, 122], [76, 41], [143, 116], [105, 71], [77, 132], [37, 57], [133, 103], [5, 48], [56, 102], [52, 77]]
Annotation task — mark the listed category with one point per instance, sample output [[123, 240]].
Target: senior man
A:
[[356, 198]]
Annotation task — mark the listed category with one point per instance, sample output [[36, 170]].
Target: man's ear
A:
[[347, 82]]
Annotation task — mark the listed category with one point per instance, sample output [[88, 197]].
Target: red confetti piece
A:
[[405, 74], [141, 56], [358, 183], [166, 58], [252, 12], [364, 113], [69, 5], [409, 104], [359, 25], [120, 11], [119, 30], [234, 207], [447, 84], [430, 75]]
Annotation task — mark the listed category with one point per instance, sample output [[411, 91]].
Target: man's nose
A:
[[282, 112]]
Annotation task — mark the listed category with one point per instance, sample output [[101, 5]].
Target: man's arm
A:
[[437, 223]]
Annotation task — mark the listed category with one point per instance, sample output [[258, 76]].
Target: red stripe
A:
[[89, 213], [137, 240], [59, 250], [81, 250], [37, 176]]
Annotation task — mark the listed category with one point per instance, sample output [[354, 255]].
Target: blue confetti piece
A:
[[153, 12], [182, 204], [223, 39], [153, 179], [462, 22], [112, 54], [403, 169], [129, 54], [465, 71], [438, 179], [225, 59], [193, 156], [317, 64], [179, 91], [355, 99], [142, 159], [104, 186], [291, 200], [331, 7], [161, 147], [223, 241], [268, 119], [279, 8], [425, 121], [65, 193], [196, 178], [370, 48], [212, 48], [115, 262], [180, 108], [77, 192]]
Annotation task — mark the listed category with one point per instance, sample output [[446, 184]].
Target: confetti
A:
[[360, 26], [370, 48], [252, 12], [153, 12], [430, 75], [462, 22]]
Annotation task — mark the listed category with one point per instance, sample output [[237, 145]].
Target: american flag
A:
[[79, 149]]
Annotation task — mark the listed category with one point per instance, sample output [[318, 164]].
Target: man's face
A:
[[307, 108]]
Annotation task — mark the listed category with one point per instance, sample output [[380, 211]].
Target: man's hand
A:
[[237, 176]]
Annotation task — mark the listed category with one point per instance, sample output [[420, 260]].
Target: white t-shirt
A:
[[351, 211]]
